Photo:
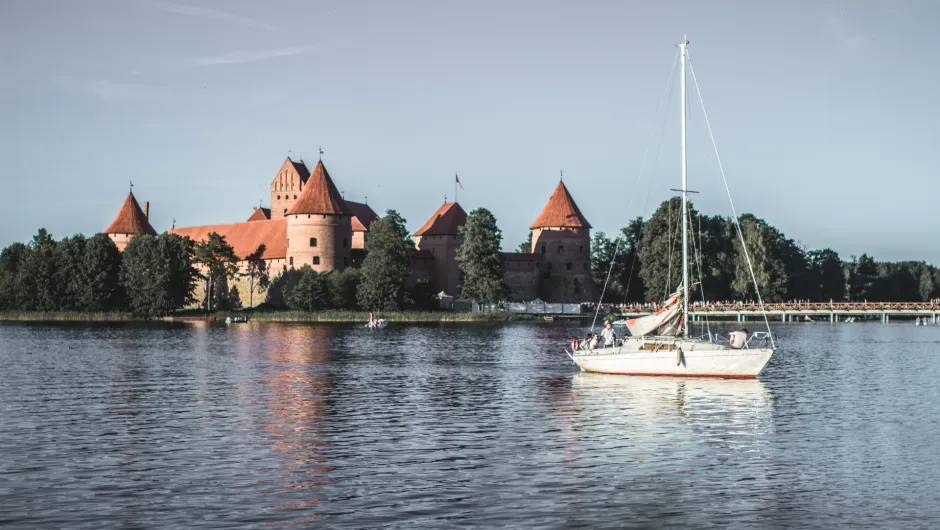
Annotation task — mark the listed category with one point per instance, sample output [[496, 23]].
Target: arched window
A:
[[316, 260], [313, 241], [561, 249], [285, 211], [295, 196], [278, 197], [568, 265], [581, 249], [543, 249], [291, 260], [345, 242]]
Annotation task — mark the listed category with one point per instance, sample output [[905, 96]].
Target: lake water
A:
[[443, 426]]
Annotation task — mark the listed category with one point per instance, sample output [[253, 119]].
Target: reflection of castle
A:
[[309, 223]]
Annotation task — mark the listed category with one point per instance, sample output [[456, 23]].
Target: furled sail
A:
[[665, 322]]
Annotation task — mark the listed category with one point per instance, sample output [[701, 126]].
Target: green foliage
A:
[[765, 245], [38, 275], [660, 251], [384, 270], [480, 260], [13, 259], [343, 285], [69, 255], [828, 279], [422, 296], [630, 279], [603, 251], [257, 272], [220, 263], [158, 274], [310, 293]]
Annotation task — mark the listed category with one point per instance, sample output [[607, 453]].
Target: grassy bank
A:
[[270, 316], [66, 316], [363, 316]]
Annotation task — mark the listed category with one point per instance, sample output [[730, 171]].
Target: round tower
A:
[[319, 229], [561, 242], [129, 221]]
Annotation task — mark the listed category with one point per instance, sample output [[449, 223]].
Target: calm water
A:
[[455, 426]]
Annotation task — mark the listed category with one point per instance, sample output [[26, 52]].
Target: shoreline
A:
[[326, 316]]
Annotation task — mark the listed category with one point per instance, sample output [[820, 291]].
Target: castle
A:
[[310, 223]]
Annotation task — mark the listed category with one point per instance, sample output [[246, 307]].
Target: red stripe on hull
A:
[[723, 376]]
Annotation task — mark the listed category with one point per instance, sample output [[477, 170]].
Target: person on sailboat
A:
[[586, 343], [594, 340], [608, 335], [738, 339]]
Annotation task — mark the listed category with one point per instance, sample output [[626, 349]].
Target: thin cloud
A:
[[248, 56], [850, 39], [204, 12], [108, 90]]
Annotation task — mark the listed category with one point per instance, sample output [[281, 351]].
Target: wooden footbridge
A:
[[805, 311]]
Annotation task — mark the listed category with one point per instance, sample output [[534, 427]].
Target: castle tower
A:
[[287, 186], [319, 225], [129, 221], [439, 236], [561, 241]]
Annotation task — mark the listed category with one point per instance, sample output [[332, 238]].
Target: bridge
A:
[[801, 311]]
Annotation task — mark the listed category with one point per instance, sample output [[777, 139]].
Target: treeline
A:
[[157, 275], [649, 264]]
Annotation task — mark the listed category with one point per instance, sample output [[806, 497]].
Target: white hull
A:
[[676, 357]]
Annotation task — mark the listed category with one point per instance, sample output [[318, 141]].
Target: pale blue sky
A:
[[823, 111]]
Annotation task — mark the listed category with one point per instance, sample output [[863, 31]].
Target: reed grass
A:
[[333, 315], [68, 316]]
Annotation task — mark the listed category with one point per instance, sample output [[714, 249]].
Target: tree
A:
[[100, 272], [660, 251], [38, 277], [526, 246], [69, 257], [828, 278], [604, 251], [219, 261], [480, 260], [343, 285], [386, 265], [256, 269], [630, 278], [158, 274], [12, 260], [862, 278], [764, 248], [310, 293]]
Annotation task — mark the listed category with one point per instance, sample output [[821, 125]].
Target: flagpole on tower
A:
[[456, 180]]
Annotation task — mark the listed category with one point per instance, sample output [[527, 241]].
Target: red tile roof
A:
[[445, 221], [260, 214], [319, 196], [560, 211], [130, 219], [301, 169], [363, 216], [245, 237]]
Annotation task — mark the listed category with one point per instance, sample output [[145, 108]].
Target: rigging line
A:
[[670, 87], [662, 102], [669, 251], [734, 212], [701, 275]]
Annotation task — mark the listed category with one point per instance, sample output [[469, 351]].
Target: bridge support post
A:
[[832, 318]]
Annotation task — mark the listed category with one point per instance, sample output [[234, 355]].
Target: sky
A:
[[823, 112]]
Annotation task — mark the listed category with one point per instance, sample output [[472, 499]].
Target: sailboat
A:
[[660, 343]]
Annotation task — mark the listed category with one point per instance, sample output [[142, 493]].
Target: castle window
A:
[[313, 241], [543, 249], [308, 216], [568, 265], [316, 260], [278, 197], [581, 249], [345, 242], [295, 196], [561, 249], [345, 261], [285, 211], [291, 261]]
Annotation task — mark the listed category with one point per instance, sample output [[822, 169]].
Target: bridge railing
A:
[[796, 306]]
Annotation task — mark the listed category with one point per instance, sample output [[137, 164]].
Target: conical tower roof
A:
[[560, 211], [319, 196], [445, 221], [130, 219]]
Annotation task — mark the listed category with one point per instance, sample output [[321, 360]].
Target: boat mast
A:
[[685, 194]]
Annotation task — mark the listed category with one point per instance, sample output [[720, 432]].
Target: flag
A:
[[458, 181]]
